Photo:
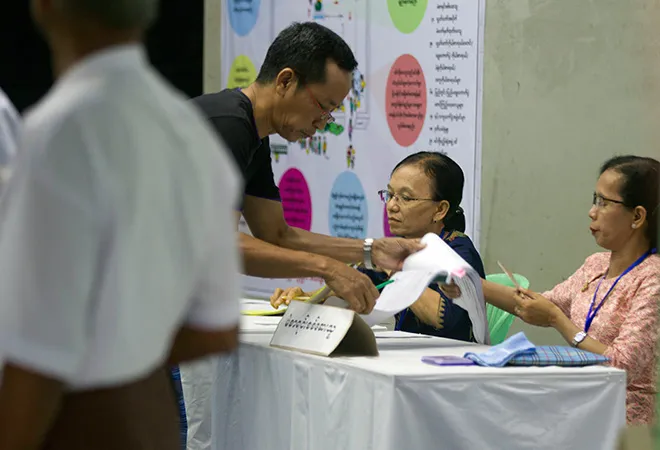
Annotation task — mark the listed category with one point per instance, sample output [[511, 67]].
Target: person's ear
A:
[[285, 81], [639, 216], [441, 211]]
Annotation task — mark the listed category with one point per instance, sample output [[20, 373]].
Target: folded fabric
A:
[[499, 355], [555, 355]]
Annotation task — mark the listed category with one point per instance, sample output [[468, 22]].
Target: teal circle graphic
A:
[[243, 15], [348, 213]]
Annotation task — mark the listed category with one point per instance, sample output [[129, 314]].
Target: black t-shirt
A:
[[231, 115]]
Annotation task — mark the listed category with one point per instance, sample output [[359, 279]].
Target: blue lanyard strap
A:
[[592, 312]]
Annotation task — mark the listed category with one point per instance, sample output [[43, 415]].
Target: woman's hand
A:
[[450, 290], [284, 296], [535, 309]]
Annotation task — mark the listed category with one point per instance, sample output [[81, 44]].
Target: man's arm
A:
[[34, 401], [262, 259], [266, 221], [269, 261], [49, 246], [191, 343]]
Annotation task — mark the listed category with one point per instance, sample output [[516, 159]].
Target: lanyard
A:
[[592, 312]]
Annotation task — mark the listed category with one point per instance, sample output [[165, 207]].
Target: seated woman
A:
[[610, 305], [423, 196]]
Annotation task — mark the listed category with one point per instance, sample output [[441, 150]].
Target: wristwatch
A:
[[579, 337], [366, 249]]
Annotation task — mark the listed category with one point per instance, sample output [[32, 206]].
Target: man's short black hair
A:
[[305, 48]]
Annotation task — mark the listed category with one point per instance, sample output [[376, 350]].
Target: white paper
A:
[[436, 262], [250, 305], [438, 256], [259, 324], [399, 335], [312, 328]]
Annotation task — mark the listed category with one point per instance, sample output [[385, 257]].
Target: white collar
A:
[[110, 58]]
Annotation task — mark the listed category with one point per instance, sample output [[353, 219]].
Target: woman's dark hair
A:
[[447, 180], [640, 187]]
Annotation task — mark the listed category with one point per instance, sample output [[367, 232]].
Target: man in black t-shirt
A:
[[306, 74]]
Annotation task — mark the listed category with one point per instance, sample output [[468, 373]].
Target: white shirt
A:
[[117, 226], [10, 125]]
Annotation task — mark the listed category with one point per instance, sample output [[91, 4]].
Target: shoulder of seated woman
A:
[[450, 236]]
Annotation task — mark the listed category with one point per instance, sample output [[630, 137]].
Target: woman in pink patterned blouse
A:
[[610, 305]]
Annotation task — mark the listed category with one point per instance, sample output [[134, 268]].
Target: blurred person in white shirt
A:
[[10, 125], [118, 252]]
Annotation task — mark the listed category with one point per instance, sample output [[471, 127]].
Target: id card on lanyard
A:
[[593, 311]]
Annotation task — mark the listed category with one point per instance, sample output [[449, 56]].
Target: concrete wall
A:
[[567, 84]]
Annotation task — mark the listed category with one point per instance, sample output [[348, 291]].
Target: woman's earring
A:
[[634, 225]]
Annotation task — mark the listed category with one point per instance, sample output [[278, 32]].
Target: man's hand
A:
[[389, 253], [285, 296], [29, 403], [352, 286]]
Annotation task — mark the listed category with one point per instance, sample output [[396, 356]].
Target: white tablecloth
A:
[[265, 398]]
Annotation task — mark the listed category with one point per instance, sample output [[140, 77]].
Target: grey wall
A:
[[567, 84]]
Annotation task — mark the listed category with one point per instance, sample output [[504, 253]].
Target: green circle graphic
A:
[[407, 14], [241, 73]]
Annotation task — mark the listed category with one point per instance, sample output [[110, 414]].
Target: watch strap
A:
[[366, 250], [578, 338]]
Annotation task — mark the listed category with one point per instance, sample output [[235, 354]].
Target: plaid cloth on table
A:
[[556, 355]]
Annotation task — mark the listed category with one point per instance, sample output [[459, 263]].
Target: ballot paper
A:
[[436, 263]]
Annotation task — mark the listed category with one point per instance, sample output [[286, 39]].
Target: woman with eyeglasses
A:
[[423, 196], [610, 305]]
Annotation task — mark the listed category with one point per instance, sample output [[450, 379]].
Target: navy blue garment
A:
[[178, 392], [455, 322]]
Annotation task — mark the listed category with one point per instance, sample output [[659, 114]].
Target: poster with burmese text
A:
[[417, 87]]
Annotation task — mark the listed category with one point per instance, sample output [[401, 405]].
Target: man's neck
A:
[[262, 108], [620, 260], [68, 52]]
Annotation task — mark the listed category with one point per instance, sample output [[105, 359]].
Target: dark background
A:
[[175, 45]]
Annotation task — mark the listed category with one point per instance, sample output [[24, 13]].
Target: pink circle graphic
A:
[[386, 225], [296, 201], [405, 100]]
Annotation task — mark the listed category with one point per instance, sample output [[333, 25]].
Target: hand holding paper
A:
[[437, 262], [390, 253]]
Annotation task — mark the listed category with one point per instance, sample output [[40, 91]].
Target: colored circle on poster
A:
[[243, 15], [405, 100], [407, 14], [241, 73], [296, 200], [386, 224], [348, 214]]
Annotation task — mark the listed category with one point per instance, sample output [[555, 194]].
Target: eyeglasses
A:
[[325, 115], [599, 201], [386, 196]]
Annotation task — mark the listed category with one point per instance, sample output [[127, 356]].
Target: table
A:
[[265, 398]]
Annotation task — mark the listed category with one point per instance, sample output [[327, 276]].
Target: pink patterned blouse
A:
[[627, 323]]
